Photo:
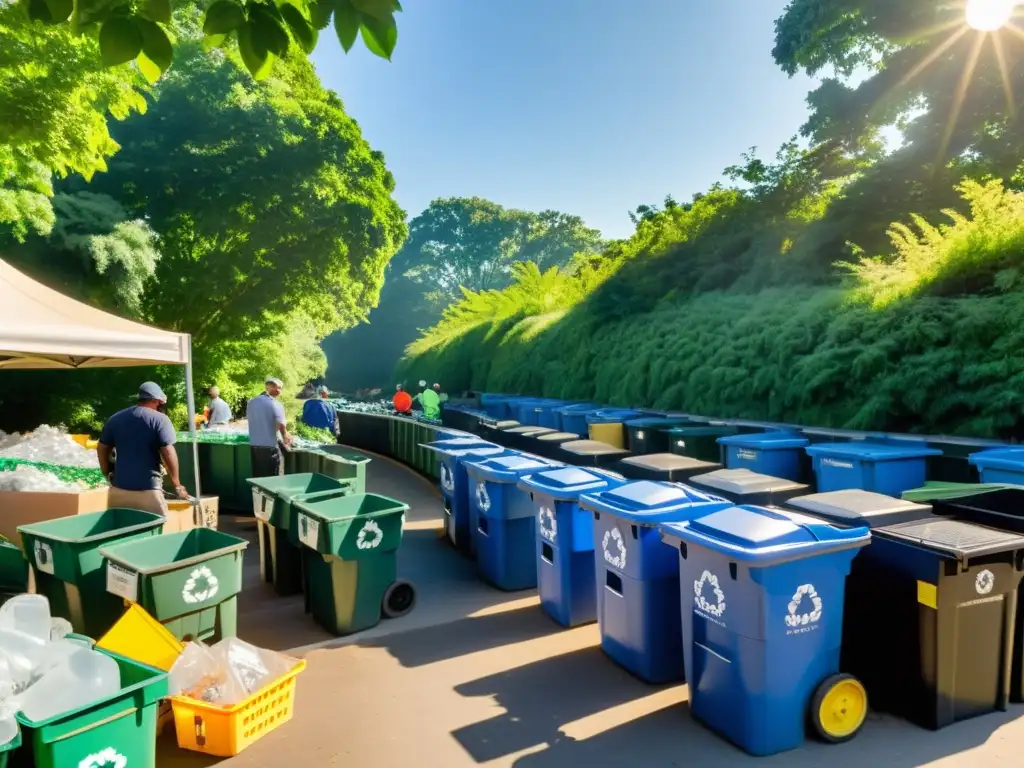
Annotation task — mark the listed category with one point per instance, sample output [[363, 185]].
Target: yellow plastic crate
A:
[[80, 439], [226, 731]]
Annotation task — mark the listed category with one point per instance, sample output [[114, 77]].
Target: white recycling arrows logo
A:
[[547, 524], [447, 478], [107, 758], [483, 500], [717, 608], [370, 535], [201, 585], [984, 582], [794, 619], [617, 560]]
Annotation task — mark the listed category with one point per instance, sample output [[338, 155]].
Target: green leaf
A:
[[149, 70], [213, 41], [378, 9], [222, 17], [268, 33], [60, 10], [120, 41], [380, 37], [155, 44], [256, 58], [397, 7], [346, 24], [320, 13], [302, 30], [159, 10]]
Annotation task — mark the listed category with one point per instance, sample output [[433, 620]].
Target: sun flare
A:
[[989, 15]]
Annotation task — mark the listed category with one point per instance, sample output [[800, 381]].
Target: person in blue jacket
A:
[[319, 413]]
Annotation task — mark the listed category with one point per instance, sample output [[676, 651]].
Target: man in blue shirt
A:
[[143, 438], [267, 429], [220, 413], [320, 413]]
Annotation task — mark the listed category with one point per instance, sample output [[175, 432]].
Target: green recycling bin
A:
[[350, 552], [272, 497], [65, 554], [13, 569], [188, 581], [119, 730], [343, 463], [699, 442], [243, 471]]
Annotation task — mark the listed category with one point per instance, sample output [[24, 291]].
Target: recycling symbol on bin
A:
[[483, 500], [717, 608], [984, 582], [547, 523], [619, 560], [447, 479], [795, 619], [370, 536], [201, 585], [107, 758]]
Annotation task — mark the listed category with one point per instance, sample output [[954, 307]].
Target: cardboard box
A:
[[24, 507], [182, 516]]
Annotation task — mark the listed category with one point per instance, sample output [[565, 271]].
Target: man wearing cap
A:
[[144, 439], [220, 412], [321, 414], [267, 423]]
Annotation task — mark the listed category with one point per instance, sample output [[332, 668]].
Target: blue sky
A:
[[591, 107]]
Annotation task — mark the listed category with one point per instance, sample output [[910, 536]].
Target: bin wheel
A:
[[839, 708], [399, 599]]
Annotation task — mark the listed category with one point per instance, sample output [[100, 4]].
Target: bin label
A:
[[107, 758], [263, 506], [837, 463], [370, 535], [984, 582], [483, 499], [745, 454], [309, 531], [201, 585], [927, 594], [613, 538], [122, 582], [547, 524], [44, 557], [447, 480], [709, 610], [800, 623]]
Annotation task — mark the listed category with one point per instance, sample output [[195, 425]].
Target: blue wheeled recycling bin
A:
[[763, 625], [573, 418], [776, 454], [638, 577], [455, 483], [565, 541], [493, 493], [1000, 465], [548, 416], [880, 467], [527, 411]]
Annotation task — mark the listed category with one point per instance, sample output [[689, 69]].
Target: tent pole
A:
[[190, 395]]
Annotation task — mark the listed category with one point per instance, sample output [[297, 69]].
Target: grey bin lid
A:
[[954, 537], [856, 507], [552, 436], [529, 430], [508, 424], [591, 448], [666, 462], [743, 481], [797, 517]]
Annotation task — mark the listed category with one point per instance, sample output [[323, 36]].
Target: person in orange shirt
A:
[[402, 401]]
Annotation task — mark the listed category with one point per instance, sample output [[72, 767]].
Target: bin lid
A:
[[570, 482], [935, 490], [667, 462], [508, 469], [763, 536], [650, 502], [591, 448], [532, 431], [611, 415], [954, 537], [856, 507], [766, 441], [743, 481], [873, 451], [577, 408], [999, 458], [458, 443], [655, 422], [551, 437], [481, 449], [699, 431]]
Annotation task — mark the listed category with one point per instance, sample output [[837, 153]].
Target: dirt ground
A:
[[478, 677]]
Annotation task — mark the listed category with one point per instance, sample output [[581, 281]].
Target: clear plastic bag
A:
[[226, 673]]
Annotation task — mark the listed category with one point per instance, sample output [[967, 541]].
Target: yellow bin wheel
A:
[[839, 708]]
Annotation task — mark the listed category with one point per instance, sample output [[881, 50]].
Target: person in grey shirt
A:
[[220, 413], [267, 430]]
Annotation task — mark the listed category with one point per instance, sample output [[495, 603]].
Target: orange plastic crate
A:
[[226, 731]]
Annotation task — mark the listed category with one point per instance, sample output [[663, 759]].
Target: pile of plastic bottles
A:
[[48, 445]]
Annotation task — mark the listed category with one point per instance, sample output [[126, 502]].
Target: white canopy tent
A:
[[43, 329]]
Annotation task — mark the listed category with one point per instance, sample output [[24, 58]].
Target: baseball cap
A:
[[151, 391], [275, 382]]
